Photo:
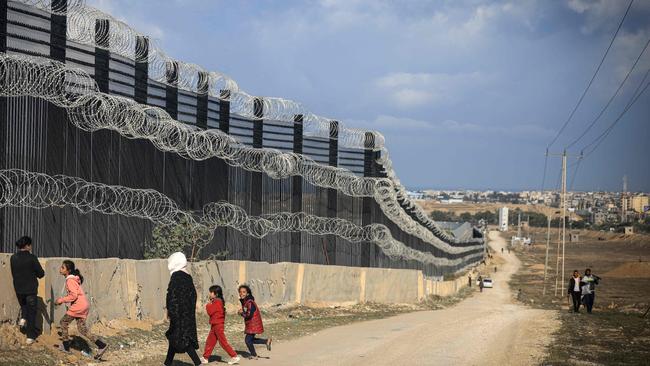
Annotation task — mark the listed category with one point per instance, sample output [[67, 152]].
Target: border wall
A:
[[136, 289]]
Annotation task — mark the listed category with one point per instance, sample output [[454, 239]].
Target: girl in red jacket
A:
[[77, 310], [252, 320], [217, 313]]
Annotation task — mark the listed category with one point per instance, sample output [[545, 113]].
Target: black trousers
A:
[[589, 301], [28, 308], [171, 352], [575, 296]]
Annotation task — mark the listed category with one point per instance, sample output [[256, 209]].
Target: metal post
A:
[[142, 71], [548, 239], [202, 100], [366, 216], [296, 187], [563, 214], [332, 194], [102, 55], [256, 177], [171, 90]]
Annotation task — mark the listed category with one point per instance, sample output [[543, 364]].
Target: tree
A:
[[438, 215], [466, 216], [185, 236]]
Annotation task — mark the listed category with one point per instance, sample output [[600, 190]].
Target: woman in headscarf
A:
[[181, 310]]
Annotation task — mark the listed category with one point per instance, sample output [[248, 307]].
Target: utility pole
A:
[[563, 214], [562, 232], [548, 239]]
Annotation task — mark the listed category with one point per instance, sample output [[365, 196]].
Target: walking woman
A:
[[181, 311]]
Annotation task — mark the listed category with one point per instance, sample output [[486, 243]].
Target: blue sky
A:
[[467, 93]]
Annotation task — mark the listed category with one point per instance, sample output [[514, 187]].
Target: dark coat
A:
[[252, 316], [181, 310], [26, 269], [572, 283]]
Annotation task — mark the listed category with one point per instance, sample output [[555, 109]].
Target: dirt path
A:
[[485, 329]]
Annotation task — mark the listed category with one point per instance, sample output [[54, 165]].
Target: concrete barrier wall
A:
[[136, 289]]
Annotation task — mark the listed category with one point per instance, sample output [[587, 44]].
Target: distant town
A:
[[597, 210]]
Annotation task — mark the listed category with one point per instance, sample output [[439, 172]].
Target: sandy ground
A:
[[488, 328]]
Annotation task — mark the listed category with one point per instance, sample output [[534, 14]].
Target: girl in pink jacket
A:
[[77, 309]]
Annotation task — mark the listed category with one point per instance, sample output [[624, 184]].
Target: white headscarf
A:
[[176, 262]]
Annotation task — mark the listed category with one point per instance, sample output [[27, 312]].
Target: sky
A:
[[468, 93]]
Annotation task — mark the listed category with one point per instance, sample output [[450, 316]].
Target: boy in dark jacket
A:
[[575, 291], [26, 270]]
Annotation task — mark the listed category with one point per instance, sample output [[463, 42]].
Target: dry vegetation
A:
[[472, 208], [616, 333]]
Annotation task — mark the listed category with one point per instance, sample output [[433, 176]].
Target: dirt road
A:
[[486, 329]]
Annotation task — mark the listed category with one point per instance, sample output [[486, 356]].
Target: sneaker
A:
[[100, 352], [204, 361], [268, 344], [234, 360], [86, 354], [30, 340], [22, 322], [62, 348]]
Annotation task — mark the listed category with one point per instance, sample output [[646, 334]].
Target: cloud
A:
[[124, 11], [407, 90], [412, 126]]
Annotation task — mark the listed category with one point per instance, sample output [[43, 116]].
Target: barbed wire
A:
[[22, 188], [90, 26], [92, 110], [118, 37]]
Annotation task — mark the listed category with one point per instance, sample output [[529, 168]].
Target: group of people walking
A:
[[582, 290], [180, 303]]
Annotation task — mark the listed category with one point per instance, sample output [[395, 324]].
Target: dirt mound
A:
[[631, 270]]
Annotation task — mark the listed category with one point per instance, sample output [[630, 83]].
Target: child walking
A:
[[77, 310], [252, 320], [217, 312]]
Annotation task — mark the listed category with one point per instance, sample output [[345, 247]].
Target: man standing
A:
[[574, 290], [469, 277], [589, 289], [25, 270]]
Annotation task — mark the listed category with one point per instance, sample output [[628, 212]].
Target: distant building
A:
[[599, 218], [503, 219], [415, 195], [637, 203]]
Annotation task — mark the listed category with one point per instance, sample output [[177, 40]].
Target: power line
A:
[[609, 102], [598, 140], [602, 60]]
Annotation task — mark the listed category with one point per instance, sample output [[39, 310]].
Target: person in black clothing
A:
[[575, 290], [181, 311], [26, 270]]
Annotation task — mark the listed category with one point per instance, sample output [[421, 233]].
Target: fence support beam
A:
[[332, 194], [142, 71], [102, 56], [368, 171], [256, 177], [296, 188]]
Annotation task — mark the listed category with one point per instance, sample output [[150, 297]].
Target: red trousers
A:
[[216, 334]]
